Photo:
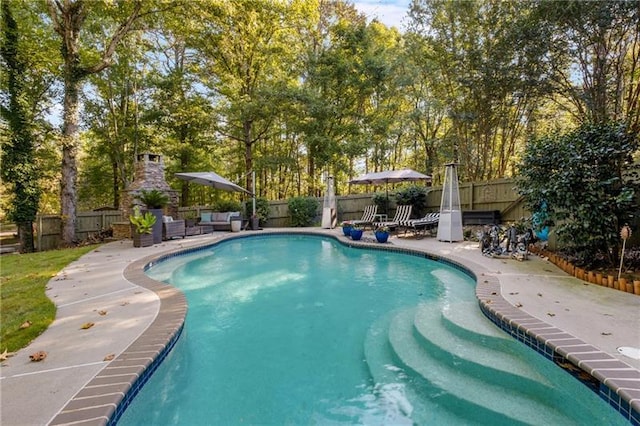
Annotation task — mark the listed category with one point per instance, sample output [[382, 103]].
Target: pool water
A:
[[303, 330]]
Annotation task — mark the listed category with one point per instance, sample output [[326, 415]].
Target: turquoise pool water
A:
[[303, 330]]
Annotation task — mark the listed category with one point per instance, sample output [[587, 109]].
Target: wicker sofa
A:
[[216, 221]]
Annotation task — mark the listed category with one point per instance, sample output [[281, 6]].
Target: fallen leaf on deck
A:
[[604, 333], [109, 357], [87, 325], [518, 305], [4, 355], [124, 303], [25, 324], [102, 312], [38, 356], [550, 314]]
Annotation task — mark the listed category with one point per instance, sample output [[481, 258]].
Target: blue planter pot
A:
[[356, 234], [382, 237], [346, 230]]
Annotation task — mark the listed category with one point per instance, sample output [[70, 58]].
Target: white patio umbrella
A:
[[211, 179], [390, 176]]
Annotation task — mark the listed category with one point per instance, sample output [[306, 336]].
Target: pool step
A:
[[462, 391], [390, 379], [476, 355], [465, 320]]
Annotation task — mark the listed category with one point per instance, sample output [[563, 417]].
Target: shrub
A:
[[228, 206], [415, 196], [262, 209], [577, 178], [302, 210], [381, 200]]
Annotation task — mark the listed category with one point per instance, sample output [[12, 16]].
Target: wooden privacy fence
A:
[[493, 195], [47, 227]]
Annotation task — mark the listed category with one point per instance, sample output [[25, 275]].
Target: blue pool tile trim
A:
[[615, 382]]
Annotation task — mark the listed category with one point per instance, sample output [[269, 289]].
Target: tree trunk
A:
[[25, 236], [68, 192]]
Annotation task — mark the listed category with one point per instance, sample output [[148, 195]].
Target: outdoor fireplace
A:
[[148, 175]]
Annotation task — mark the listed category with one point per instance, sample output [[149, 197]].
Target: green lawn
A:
[[23, 279]]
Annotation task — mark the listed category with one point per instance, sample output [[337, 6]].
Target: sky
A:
[[389, 12]]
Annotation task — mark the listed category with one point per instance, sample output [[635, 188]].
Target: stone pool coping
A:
[[104, 398]]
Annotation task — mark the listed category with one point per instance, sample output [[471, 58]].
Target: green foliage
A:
[[262, 209], [143, 222], [578, 176], [302, 210], [19, 167], [381, 200], [22, 293], [154, 198], [414, 195], [228, 206]]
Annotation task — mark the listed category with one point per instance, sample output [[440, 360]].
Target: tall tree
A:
[[180, 110], [69, 19], [18, 163], [490, 79], [248, 47], [594, 57]]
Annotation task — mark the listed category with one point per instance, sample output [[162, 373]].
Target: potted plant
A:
[[382, 234], [155, 200], [346, 228], [356, 232], [142, 227]]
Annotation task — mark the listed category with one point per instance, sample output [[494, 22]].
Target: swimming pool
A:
[[300, 329]]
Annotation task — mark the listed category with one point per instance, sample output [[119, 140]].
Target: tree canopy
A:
[[291, 89]]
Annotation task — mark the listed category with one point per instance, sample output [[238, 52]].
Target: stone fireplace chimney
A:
[[148, 175]]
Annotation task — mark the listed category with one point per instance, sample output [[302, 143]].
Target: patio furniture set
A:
[[205, 224], [401, 220]]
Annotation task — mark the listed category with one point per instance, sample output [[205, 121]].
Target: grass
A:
[[23, 280]]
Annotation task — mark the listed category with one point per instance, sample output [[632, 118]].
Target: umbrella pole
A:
[[253, 190]]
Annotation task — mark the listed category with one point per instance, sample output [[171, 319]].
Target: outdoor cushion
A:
[[219, 217], [205, 217]]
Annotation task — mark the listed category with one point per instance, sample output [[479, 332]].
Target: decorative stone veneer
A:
[[148, 175]]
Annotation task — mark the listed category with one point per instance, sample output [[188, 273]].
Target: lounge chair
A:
[[368, 216], [424, 224], [403, 213]]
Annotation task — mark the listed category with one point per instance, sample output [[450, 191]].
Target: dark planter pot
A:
[[382, 237], [157, 227], [346, 230], [142, 240], [356, 234], [255, 223]]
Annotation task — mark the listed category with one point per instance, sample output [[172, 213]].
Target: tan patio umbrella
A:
[[391, 176]]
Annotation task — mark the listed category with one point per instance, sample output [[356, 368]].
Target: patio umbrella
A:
[[390, 176], [211, 179]]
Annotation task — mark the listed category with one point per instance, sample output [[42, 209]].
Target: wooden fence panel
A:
[[47, 232], [90, 223], [493, 195], [87, 224]]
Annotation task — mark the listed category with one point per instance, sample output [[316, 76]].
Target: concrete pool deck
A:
[[101, 291]]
